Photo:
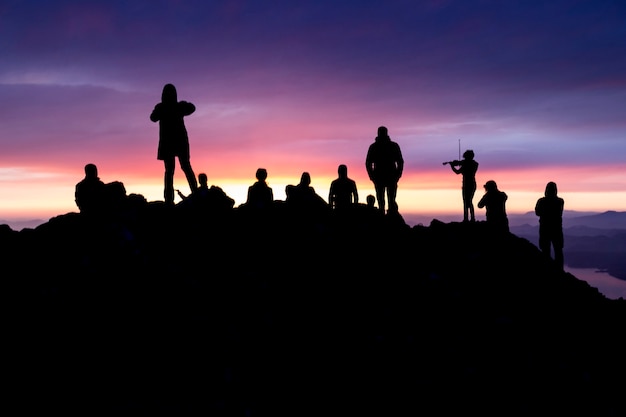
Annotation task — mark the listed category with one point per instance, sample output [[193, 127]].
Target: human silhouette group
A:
[[384, 164]]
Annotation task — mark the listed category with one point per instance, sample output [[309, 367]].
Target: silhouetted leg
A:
[[380, 196], [558, 257], [191, 177], [468, 206], [558, 249], [544, 244], [465, 210], [168, 192], [470, 201], [465, 207], [392, 189]]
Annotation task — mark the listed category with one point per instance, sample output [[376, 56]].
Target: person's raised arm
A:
[[482, 201], [155, 116], [187, 107]]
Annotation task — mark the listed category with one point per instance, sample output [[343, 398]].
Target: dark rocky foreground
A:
[[158, 310]]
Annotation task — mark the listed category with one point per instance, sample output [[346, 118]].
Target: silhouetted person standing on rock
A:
[[343, 193], [173, 138], [260, 194], [90, 192], [467, 168], [494, 201], [549, 208], [384, 164]]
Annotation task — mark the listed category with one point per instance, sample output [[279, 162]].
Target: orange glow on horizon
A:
[[38, 193]]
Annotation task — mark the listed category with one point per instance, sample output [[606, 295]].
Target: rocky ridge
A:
[[297, 312]]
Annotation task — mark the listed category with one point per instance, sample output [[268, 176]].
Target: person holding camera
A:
[[494, 201]]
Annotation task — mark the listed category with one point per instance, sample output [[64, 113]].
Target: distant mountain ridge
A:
[[290, 312], [606, 220]]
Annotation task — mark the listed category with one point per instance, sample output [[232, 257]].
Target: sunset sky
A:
[[536, 88]]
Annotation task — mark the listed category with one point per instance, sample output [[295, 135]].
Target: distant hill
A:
[[286, 312], [22, 224], [609, 220]]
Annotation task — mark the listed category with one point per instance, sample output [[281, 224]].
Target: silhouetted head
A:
[[342, 170], [468, 154], [261, 174], [491, 185], [305, 179], [371, 200], [91, 171], [169, 94], [202, 179], [383, 132], [551, 189]]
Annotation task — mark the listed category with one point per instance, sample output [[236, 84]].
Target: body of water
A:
[[607, 284]]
